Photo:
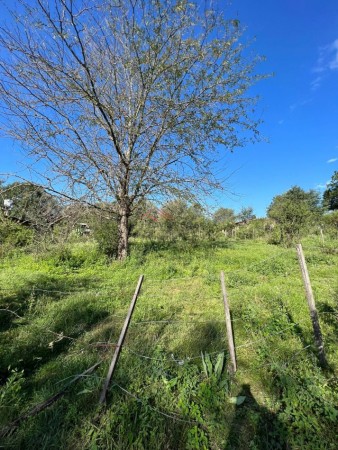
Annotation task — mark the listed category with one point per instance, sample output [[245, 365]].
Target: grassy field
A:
[[62, 311]]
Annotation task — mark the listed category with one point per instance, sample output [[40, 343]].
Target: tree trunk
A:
[[123, 234]]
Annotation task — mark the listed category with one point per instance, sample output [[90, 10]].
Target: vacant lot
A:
[[62, 311]]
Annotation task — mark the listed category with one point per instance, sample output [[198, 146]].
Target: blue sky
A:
[[299, 104]]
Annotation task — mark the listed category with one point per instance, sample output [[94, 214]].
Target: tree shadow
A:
[[254, 426], [43, 429], [43, 319], [18, 301]]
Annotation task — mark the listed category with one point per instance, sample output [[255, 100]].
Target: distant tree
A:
[[30, 205], [126, 99], [293, 211], [330, 197], [144, 222], [224, 215], [179, 220], [246, 214]]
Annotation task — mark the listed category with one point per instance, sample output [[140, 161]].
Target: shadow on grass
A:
[[329, 315], [19, 301], [53, 427], [201, 337], [33, 350], [254, 426], [51, 320]]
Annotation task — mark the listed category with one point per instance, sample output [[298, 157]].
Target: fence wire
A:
[[149, 321]]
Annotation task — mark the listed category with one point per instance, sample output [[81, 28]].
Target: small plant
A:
[[216, 369]]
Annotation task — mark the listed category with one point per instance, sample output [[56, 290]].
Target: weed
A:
[[171, 388]]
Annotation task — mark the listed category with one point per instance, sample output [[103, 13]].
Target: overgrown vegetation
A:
[[64, 297], [62, 311]]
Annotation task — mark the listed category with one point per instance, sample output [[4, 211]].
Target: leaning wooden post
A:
[[228, 325], [120, 341], [312, 306]]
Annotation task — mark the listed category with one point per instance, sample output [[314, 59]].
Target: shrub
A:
[[330, 223], [14, 234], [106, 234]]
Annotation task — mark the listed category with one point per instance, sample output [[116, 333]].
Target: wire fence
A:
[[178, 417], [156, 353], [98, 291], [123, 290]]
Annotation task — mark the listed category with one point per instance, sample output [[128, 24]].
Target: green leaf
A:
[[224, 384], [85, 391], [172, 382], [219, 365], [207, 364], [204, 365]]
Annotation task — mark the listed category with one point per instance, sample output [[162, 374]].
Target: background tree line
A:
[[30, 214]]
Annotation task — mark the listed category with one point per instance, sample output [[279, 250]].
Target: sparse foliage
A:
[[246, 214], [122, 100]]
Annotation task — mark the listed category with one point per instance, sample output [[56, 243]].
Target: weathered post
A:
[[120, 341], [312, 307], [228, 325]]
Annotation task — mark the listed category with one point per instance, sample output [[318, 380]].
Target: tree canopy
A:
[[180, 220], [121, 100], [30, 205], [330, 197], [293, 210], [246, 214], [224, 215]]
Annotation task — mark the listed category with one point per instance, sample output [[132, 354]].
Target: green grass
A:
[[72, 306]]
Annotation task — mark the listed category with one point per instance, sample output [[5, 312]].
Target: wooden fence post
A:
[[120, 341], [228, 325], [312, 306]]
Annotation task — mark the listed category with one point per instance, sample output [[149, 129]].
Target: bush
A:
[[14, 234], [75, 256], [64, 256], [330, 223], [106, 234]]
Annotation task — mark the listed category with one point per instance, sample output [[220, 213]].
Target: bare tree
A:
[[118, 100]]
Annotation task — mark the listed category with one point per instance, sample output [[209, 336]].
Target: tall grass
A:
[[65, 311]]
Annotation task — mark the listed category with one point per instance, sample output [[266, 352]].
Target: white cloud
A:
[[322, 186], [333, 63], [300, 103], [332, 160], [326, 62], [315, 84]]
